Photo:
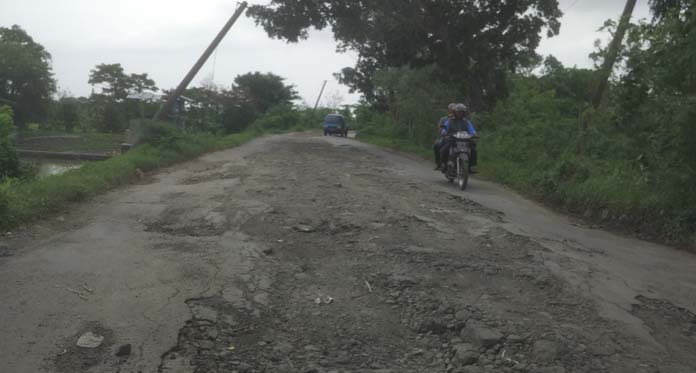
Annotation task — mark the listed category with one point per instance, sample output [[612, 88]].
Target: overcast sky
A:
[[165, 37]]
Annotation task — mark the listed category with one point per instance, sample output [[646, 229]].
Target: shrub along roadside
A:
[[22, 201]]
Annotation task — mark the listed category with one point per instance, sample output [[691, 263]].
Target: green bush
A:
[[9, 163], [277, 119], [159, 133], [237, 118]]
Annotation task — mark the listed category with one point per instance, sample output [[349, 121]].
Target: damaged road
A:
[[298, 253]]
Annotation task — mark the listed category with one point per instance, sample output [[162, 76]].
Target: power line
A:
[[571, 6]]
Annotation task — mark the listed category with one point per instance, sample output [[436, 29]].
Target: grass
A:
[[22, 201]]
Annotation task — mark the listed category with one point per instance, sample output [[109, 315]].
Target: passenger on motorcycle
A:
[[441, 132], [459, 123]]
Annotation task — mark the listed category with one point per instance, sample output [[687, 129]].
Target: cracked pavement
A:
[[202, 267]]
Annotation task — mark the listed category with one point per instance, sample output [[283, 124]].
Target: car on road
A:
[[335, 124]]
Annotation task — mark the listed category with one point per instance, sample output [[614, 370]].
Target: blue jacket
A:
[[470, 126]]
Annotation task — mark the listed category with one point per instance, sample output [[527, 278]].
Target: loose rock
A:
[[480, 335], [465, 354], [90, 340], [546, 351], [462, 315]]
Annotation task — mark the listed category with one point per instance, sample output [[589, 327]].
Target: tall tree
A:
[[474, 42], [262, 91], [112, 78], [26, 79], [116, 83], [142, 82]]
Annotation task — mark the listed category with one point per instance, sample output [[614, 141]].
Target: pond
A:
[[48, 167]]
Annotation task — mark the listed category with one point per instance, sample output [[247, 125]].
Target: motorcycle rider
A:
[[441, 132], [460, 123]]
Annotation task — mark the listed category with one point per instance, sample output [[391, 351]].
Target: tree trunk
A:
[[613, 53]]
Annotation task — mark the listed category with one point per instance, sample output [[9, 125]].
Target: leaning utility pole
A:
[[174, 96], [613, 52], [319, 98]]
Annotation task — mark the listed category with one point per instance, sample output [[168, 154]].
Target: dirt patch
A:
[[674, 328], [182, 221], [180, 246], [214, 173]]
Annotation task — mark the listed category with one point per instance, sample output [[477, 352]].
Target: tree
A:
[[26, 79], [113, 79], [116, 83], [262, 91], [415, 111], [142, 82], [613, 52], [474, 42], [69, 112], [205, 113]]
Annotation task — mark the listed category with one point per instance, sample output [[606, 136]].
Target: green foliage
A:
[[237, 118], [232, 111], [160, 134], [26, 80], [262, 91], [116, 83], [206, 113], [68, 113], [9, 163], [112, 118], [416, 100], [277, 119], [474, 42]]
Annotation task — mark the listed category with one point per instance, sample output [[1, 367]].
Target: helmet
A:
[[460, 108], [450, 107]]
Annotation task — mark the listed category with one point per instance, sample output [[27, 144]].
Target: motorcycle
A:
[[458, 160]]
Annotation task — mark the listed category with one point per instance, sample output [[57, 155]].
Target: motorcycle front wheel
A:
[[462, 173]]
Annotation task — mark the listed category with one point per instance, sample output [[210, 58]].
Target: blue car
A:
[[335, 124]]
